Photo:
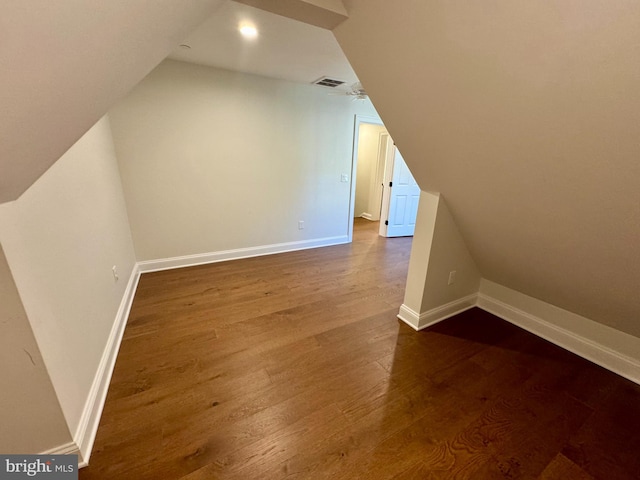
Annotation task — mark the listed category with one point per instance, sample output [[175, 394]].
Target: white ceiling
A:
[[63, 64], [285, 48]]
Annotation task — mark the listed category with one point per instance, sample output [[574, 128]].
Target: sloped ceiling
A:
[[526, 117], [64, 63], [321, 13], [285, 48]]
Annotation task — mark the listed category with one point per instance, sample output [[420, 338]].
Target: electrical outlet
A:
[[300, 224], [344, 178], [452, 277], [114, 269]]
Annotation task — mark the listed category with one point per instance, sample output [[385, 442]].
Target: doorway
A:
[[383, 189], [372, 140]]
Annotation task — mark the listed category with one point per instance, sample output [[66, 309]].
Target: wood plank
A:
[[561, 468], [295, 366]]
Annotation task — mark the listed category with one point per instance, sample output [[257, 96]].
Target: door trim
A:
[[390, 156], [358, 120], [376, 184]]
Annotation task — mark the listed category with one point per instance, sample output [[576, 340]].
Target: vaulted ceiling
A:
[[65, 63], [284, 48]]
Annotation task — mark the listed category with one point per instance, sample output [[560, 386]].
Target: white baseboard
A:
[[213, 257], [431, 317], [612, 349], [70, 448], [409, 316], [367, 216], [87, 429]]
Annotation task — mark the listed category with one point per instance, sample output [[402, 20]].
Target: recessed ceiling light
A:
[[248, 31]]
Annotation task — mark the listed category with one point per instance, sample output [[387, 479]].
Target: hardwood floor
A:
[[295, 366]]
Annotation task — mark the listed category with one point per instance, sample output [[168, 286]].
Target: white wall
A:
[[30, 414], [448, 253], [368, 145], [421, 250], [437, 250], [61, 238], [213, 160], [65, 63]]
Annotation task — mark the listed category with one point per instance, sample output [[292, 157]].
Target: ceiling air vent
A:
[[328, 82]]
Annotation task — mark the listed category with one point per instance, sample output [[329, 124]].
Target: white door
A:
[[404, 194]]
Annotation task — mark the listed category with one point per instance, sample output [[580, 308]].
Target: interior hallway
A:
[[295, 366]]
